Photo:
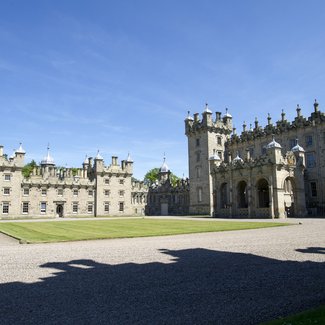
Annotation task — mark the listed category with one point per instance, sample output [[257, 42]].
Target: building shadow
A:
[[198, 286], [312, 250]]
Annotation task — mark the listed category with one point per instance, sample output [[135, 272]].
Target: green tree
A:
[[152, 176], [28, 168]]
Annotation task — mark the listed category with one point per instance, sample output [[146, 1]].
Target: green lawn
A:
[[56, 231], [309, 317]]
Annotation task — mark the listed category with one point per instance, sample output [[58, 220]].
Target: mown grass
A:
[[310, 317], [57, 231]]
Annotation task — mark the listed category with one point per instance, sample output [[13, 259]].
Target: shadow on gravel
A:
[[312, 250], [198, 286]]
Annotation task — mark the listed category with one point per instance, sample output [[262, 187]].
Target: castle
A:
[[275, 171], [50, 191]]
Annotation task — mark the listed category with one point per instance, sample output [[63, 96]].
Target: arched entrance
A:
[[263, 197], [288, 187], [223, 195], [242, 195], [59, 210]]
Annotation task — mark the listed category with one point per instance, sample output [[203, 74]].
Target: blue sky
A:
[[120, 76]]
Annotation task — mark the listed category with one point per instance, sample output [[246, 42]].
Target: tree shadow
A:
[[198, 286]]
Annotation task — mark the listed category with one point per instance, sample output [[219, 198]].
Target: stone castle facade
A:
[[50, 191], [273, 171]]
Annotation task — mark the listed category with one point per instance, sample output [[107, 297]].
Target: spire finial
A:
[[315, 106]]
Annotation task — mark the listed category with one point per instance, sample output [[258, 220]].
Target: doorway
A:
[[59, 210]]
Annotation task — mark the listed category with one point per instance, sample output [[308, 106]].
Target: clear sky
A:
[[120, 76]]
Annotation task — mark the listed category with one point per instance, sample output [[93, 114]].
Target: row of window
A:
[[6, 191], [75, 207], [218, 141]]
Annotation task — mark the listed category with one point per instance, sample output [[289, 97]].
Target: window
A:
[[219, 141], [43, 207], [26, 191], [198, 157], [309, 140], [75, 207], [121, 193], [5, 207], [7, 177], [199, 194], [107, 181], [198, 172], [90, 208], [75, 192], [6, 190], [220, 154], [121, 206], [197, 141], [310, 160], [44, 191], [60, 191], [292, 143], [313, 188], [106, 207], [106, 192], [263, 149], [121, 181], [90, 193], [25, 207]]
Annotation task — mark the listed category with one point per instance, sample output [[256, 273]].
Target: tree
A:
[[28, 168], [153, 174]]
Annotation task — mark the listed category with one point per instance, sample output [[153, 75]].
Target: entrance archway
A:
[[59, 210], [263, 193], [242, 195], [288, 187]]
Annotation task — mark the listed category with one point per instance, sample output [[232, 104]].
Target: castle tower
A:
[[20, 156], [205, 139], [164, 172]]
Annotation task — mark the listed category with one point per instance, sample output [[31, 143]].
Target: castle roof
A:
[[297, 148], [48, 160], [207, 110], [20, 149], [129, 159], [238, 159], [215, 156], [227, 114], [189, 117], [273, 144], [164, 167], [98, 156]]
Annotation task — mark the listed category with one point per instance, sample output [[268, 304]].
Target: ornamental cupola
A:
[[48, 160]]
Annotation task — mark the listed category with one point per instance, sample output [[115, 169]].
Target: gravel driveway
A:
[[237, 277]]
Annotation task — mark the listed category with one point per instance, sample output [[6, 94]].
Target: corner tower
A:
[[206, 138]]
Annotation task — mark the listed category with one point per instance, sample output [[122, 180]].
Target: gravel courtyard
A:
[[237, 277]]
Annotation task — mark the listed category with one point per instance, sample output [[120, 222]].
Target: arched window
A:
[[263, 193], [242, 195]]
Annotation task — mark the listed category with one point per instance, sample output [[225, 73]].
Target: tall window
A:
[[313, 188], [90, 207], [198, 172], [309, 140], [44, 191], [197, 141], [75, 192], [199, 194], [90, 193], [121, 193], [310, 160], [198, 156], [121, 206], [75, 207], [43, 207], [25, 207], [26, 191], [5, 207], [106, 207], [219, 141]]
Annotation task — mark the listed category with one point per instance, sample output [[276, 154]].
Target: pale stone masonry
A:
[[273, 172], [92, 190]]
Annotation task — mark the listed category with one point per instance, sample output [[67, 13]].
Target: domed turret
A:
[[164, 167], [48, 160], [98, 156], [129, 159], [297, 148], [20, 149], [237, 159], [273, 144], [227, 114], [207, 110]]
